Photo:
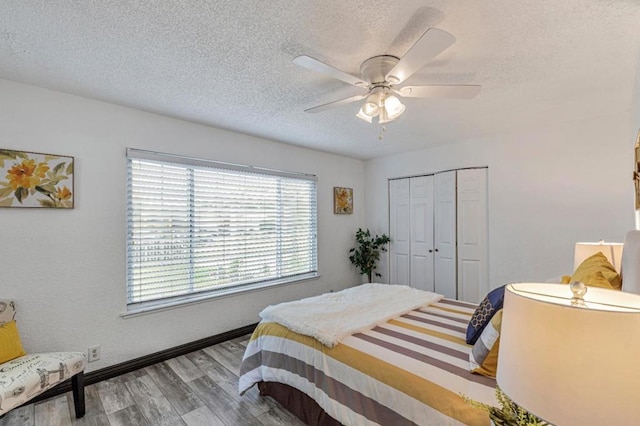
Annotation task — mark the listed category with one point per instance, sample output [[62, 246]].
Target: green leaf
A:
[[59, 167], [21, 193], [5, 192], [46, 189], [47, 203], [7, 202], [69, 170], [49, 157], [21, 154]]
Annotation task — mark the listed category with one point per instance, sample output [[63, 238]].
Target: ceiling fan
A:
[[382, 75]]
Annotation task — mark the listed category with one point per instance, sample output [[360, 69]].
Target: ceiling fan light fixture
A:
[[361, 115], [370, 106], [384, 117], [393, 106]]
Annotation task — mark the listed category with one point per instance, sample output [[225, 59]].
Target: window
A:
[[197, 228]]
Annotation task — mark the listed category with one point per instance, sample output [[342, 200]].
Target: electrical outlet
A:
[[94, 353]]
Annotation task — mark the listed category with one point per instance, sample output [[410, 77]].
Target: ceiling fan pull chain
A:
[[381, 135]]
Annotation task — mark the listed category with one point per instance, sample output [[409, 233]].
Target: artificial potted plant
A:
[[509, 413], [367, 253]]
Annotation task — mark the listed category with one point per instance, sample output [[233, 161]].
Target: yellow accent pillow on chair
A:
[[10, 346], [596, 279], [597, 269]]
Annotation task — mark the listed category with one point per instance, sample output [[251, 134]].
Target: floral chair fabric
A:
[[7, 311], [25, 377]]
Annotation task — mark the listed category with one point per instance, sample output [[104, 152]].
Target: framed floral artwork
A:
[[32, 179], [342, 200]]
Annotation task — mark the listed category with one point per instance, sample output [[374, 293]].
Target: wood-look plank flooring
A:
[[197, 389]]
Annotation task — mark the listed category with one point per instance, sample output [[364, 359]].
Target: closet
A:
[[438, 228]]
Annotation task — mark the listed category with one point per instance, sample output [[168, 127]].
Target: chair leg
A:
[[77, 384]]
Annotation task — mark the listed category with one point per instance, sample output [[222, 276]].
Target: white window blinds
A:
[[197, 227]]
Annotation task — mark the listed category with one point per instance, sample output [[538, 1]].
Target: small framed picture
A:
[[36, 180], [342, 200]]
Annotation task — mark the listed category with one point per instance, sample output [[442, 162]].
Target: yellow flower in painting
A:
[[63, 193], [26, 174], [343, 200], [41, 170]]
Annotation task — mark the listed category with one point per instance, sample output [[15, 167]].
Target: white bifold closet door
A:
[[445, 234], [399, 272], [421, 232], [438, 229], [473, 273], [411, 223], [411, 251]]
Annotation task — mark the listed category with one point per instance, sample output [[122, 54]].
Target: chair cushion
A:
[[10, 345], [23, 378]]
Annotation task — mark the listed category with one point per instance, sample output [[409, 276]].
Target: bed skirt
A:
[[298, 403]]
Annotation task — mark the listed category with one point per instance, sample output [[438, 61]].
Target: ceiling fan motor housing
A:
[[374, 70]]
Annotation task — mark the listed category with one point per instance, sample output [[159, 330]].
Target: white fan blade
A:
[[447, 91], [323, 107], [431, 44], [315, 65]]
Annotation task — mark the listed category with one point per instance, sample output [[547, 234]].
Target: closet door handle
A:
[[436, 249], [430, 251]]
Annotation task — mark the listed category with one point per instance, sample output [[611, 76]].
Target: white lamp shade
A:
[[570, 365], [613, 251]]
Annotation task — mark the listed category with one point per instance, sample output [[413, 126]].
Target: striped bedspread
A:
[[412, 370]]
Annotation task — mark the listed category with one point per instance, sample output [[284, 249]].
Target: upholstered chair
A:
[[29, 375], [630, 271]]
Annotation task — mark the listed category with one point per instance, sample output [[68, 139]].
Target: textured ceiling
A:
[[229, 63]]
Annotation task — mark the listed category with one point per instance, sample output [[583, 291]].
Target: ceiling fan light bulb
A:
[[361, 115], [393, 106], [397, 113], [370, 108]]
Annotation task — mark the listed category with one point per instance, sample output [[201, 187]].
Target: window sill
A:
[[192, 300]]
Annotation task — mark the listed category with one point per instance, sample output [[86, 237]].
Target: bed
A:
[[410, 370]]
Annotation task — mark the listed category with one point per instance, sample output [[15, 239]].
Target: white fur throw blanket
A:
[[331, 317]]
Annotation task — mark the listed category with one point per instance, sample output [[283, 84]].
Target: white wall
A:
[[549, 187], [66, 268]]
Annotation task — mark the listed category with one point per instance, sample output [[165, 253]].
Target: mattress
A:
[[411, 370]]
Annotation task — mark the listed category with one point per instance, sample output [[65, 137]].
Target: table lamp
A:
[[571, 365], [613, 251]]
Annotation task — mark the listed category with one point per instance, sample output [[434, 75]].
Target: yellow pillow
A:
[[10, 346], [588, 269], [596, 279]]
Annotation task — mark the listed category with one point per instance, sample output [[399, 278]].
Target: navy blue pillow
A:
[[491, 304]]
